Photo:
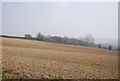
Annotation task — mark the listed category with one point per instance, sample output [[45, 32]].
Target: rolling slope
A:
[[35, 60]]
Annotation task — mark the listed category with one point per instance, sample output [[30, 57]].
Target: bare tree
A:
[[40, 36], [89, 38]]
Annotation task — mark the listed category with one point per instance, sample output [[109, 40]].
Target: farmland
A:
[[35, 60]]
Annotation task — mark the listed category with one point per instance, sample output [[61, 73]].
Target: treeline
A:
[[6, 36], [107, 48], [88, 40]]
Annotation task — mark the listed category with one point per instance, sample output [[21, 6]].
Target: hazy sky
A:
[[72, 19]]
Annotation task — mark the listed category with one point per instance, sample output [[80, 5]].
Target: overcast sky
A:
[[72, 19]]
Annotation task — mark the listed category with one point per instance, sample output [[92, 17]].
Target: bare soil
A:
[[36, 60]]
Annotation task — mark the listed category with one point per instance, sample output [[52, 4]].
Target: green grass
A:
[[7, 70]]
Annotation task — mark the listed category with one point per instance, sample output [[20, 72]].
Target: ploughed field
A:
[[40, 60]]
